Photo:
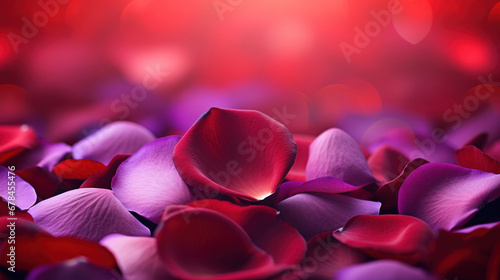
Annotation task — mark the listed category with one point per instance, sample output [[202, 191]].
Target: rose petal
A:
[[21, 193], [114, 139], [45, 155], [440, 194], [383, 270], [323, 185], [388, 193], [6, 213], [472, 157], [235, 152], [316, 213], [103, 178], [264, 227], [14, 140], [77, 268], [72, 169], [137, 257], [147, 182], [45, 183], [210, 245], [335, 153], [86, 213], [39, 249], [298, 170], [387, 163], [398, 237]]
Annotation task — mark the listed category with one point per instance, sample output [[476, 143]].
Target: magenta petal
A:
[[322, 185], [473, 228], [44, 155], [147, 182], [114, 139], [89, 213], [316, 213], [240, 153], [335, 153], [23, 193], [383, 270], [446, 196], [137, 257]]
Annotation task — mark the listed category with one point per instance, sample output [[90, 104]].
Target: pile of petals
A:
[[239, 197]]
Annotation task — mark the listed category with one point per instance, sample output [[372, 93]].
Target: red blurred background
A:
[[69, 67]]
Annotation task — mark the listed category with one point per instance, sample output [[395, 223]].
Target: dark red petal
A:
[[239, 153], [77, 268], [265, 227], [298, 170], [5, 212], [40, 249], [77, 169], [44, 182], [398, 237], [102, 178], [14, 140], [210, 245], [472, 157], [388, 193], [387, 163], [326, 255]]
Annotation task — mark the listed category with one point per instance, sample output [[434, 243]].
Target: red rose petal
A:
[[298, 170], [210, 245], [45, 183], [472, 157], [102, 178], [73, 169], [387, 163], [239, 153], [40, 249], [398, 237], [265, 227], [14, 140]]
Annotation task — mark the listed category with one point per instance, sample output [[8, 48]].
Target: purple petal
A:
[[316, 213], [45, 155], [473, 228], [76, 269], [383, 270], [335, 153], [89, 213], [137, 257], [322, 185], [446, 196], [23, 193], [114, 139], [148, 181]]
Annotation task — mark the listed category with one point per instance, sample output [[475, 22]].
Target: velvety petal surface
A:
[[387, 236], [22, 194], [240, 153], [103, 178], [72, 169], [387, 163], [45, 155], [86, 213], [446, 196], [45, 183], [472, 157], [137, 257], [384, 270], [113, 139], [314, 213], [265, 227], [298, 170], [210, 245], [147, 182], [323, 185], [75, 269], [335, 153]]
